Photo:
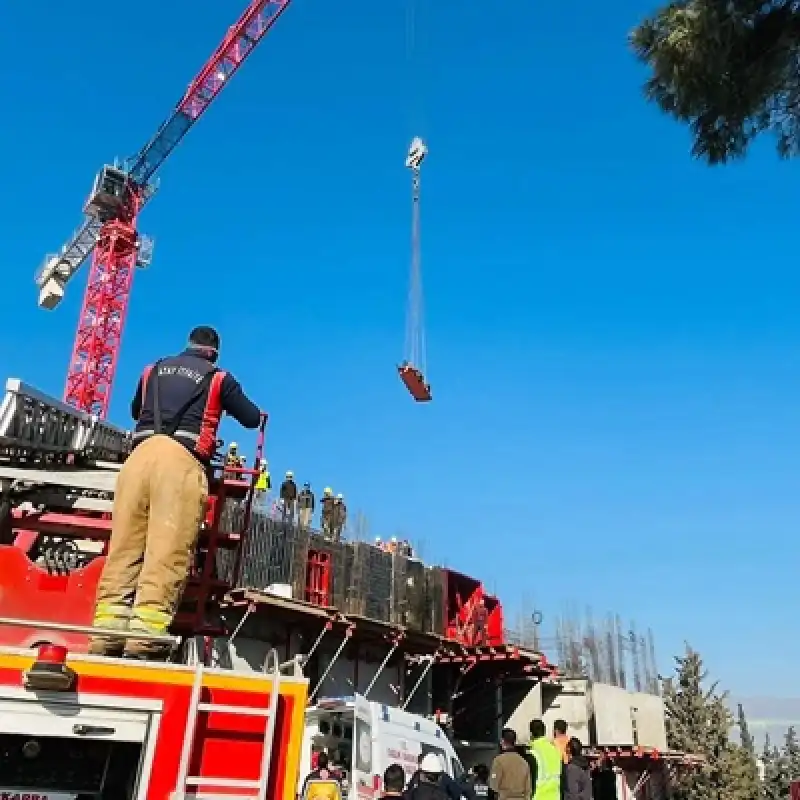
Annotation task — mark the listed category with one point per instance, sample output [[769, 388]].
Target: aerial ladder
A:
[[110, 233], [59, 459]]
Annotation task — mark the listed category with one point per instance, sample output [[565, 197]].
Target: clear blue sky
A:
[[613, 329]]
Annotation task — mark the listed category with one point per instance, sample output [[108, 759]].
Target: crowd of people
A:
[[547, 769], [295, 506]]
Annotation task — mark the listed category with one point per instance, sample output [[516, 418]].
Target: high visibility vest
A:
[[263, 482], [548, 770]]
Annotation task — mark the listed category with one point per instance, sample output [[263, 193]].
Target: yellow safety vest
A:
[[263, 482], [548, 770]]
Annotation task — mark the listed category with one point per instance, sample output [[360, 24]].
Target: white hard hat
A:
[[340, 497], [431, 763], [233, 445], [289, 473]]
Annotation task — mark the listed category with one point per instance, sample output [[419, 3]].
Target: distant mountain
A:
[[769, 715]]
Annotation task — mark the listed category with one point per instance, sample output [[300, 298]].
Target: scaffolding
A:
[[355, 578]]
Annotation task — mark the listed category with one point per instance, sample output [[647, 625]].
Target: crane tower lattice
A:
[[110, 234]]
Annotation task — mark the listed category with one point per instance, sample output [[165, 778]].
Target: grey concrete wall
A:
[[612, 715], [572, 704], [530, 708], [648, 714]]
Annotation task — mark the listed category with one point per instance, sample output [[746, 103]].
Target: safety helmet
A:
[[394, 538], [377, 538], [306, 485], [328, 491], [232, 446], [289, 474], [340, 496], [264, 464]]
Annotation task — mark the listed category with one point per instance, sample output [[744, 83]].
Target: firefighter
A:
[[232, 460], [327, 513], [161, 491], [305, 505], [339, 517], [289, 497]]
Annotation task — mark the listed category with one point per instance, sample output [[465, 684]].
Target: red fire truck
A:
[[75, 726]]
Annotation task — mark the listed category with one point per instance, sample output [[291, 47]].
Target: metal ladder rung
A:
[[245, 711], [225, 783]]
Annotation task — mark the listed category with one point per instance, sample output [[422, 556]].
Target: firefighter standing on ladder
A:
[[161, 492]]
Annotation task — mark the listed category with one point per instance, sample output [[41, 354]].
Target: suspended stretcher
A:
[[415, 382], [412, 369]]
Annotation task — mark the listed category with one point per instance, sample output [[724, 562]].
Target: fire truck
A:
[[75, 726]]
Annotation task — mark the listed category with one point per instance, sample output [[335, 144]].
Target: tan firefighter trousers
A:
[[159, 504]]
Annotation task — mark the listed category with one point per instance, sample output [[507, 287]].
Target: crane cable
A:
[[415, 345]]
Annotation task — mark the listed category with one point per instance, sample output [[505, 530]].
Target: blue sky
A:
[[613, 329]]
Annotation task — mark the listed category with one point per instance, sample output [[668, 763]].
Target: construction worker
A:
[[327, 512], [561, 740], [545, 762], [339, 517], [305, 505], [161, 491], [289, 497], [263, 483]]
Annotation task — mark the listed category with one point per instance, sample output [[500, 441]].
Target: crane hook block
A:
[[414, 381]]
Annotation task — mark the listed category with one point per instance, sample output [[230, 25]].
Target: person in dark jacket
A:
[[161, 491], [305, 505], [480, 782], [577, 781], [430, 769], [289, 497]]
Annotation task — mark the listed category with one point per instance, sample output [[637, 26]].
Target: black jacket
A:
[[454, 789], [289, 490], [577, 781], [188, 377]]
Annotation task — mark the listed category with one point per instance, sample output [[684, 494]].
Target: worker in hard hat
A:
[[339, 517], [289, 497], [305, 506], [327, 512], [161, 491], [232, 461], [263, 481]]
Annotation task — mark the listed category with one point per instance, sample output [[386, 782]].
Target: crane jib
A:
[[239, 42]]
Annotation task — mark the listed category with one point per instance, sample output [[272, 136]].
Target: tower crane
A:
[[109, 231], [412, 370]]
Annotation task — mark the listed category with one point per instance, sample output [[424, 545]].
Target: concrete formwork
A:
[[649, 720], [613, 720]]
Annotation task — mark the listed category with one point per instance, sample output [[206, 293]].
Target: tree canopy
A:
[[699, 722], [729, 69]]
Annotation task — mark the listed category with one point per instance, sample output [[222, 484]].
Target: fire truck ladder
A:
[[189, 787]]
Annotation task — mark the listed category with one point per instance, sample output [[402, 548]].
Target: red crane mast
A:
[[110, 234]]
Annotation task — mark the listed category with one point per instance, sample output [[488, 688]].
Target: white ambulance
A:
[[363, 738]]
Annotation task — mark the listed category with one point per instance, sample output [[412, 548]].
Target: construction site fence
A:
[[360, 578]]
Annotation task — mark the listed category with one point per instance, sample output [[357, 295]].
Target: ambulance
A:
[[363, 738]]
